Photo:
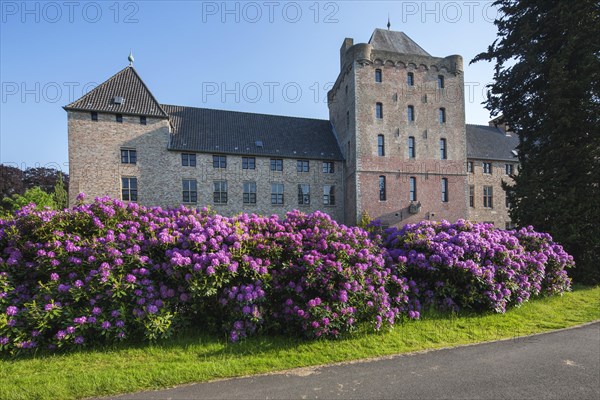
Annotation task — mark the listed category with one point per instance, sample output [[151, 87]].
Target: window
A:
[[412, 153], [190, 191], [249, 193], [443, 149], [410, 79], [128, 156], [487, 167], [379, 111], [488, 197], [276, 164], [129, 189], [444, 190], [411, 113], [276, 193], [220, 162], [143, 120], [347, 119], [120, 118], [302, 166], [382, 189], [470, 167], [328, 167], [442, 115], [380, 146], [378, 76], [248, 163], [329, 195], [413, 188], [303, 194], [471, 195], [220, 192], [188, 160], [94, 116], [441, 81], [508, 169]]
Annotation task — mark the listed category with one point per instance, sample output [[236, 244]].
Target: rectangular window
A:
[[410, 79], [378, 76], [303, 194], [220, 162], [276, 164], [302, 166], [188, 160], [443, 149], [508, 169], [190, 191], [379, 110], [488, 197], [382, 188], [442, 115], [128, 156], [143, 120], [444, 190], [329, 195], [276, 193], [119, 118], [410, 113], [248, 163], [220, 192], [470, 169], [328, 167], [412, 153], [487, 167], [249, 193], [471, 195], [413, 188], [380, 146], [94, 116], [129, 189], [441, 81]]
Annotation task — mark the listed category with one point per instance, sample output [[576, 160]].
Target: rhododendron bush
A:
[[108, 271]]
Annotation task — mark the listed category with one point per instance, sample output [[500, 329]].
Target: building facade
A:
[[396, 146]]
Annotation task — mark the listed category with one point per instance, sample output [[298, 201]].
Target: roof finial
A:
[[389, 24], [130, 58]]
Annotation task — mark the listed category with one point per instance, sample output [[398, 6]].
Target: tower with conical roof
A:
[[399, 117]]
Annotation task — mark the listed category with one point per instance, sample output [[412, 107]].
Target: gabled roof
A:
[[490, 143], [397, 42], [231, 132], [128, 85]]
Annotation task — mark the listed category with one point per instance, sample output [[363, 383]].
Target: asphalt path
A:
[[562, 364]]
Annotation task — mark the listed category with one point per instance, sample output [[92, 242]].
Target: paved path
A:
[[558, 365]]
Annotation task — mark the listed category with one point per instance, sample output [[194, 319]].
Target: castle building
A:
[[396, 146]]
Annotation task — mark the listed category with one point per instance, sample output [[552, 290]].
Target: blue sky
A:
[[273, 57]]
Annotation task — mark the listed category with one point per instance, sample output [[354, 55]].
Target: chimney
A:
[[500, 123], [346, 44]]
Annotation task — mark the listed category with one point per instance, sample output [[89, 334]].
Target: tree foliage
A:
[[44, 178], [547, 89], [34, 195], [11, 181], [60, 195]]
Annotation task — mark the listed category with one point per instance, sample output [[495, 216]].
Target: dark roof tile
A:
[[490, 143], [397, 42]]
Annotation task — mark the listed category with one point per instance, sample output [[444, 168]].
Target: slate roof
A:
[[490, 143], [231, 132], [397, 42], [126, 84]]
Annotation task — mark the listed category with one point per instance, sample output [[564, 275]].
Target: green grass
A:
[[200, 357]]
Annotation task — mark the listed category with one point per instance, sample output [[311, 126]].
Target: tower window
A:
[[413, 188], [379, 111], [382, 188], [443, 149], [411, 113], [444, 190], [442, 115], [412, 152], [378, 76], [410, 79], [441, 83], [380, 146]]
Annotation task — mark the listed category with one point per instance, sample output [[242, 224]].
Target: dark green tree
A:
[[60, 195], [547, 90]]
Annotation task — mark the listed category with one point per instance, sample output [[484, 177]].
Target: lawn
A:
[[197, 357]]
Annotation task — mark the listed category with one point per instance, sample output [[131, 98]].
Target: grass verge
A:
[[200, 357]]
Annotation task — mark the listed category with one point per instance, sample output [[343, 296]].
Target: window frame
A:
[[132, 192], [472, 196], [441, 82], [119, 118], [189, 187], [328, 167], [249, 192], [381, 145], [487, 167], [488, 197], [470, 167], [303, 196], [220, 192], [382, 188], [248, 163], [412, 192], [443, 149], [126, 156], [277, 197], [219, 161], [410, 79], [94, 116], [329, 195], [445, 190], [302, 166], [276, 164], [410, 113], [442, 115], [378, 110], [143, 120], [412, 147], [188, 160], [378, 75]]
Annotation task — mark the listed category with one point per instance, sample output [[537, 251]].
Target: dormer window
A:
[[143, 120], [120, 118], [94, 116]]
